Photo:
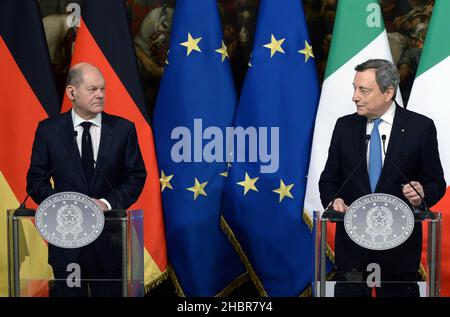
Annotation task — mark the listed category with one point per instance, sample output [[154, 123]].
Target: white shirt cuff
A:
[[106, 202]]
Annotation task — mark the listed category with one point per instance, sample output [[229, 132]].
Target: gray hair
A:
[[386, 74], [75, 75]]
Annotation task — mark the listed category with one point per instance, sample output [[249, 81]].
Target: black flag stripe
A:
[[18, 20]]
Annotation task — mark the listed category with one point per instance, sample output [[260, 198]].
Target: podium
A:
[[323, 233], [125, 228]]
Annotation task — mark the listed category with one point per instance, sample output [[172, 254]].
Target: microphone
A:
[[425, 206], [330, 205], [43, 179]]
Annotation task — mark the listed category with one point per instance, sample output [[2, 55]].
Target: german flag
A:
[[27, 95], [104, 40]]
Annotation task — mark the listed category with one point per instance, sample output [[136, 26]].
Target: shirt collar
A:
[[388, 116], [77, 120]]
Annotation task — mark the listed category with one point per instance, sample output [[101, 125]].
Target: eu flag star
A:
[[191, 44], [198, 189], [248, 183], [284, 191], [165, 181], [225, 174], [223, 51], [307, 51], [275, 46]]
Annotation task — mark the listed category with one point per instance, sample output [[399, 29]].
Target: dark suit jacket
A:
[[413, 148], [119, 160]]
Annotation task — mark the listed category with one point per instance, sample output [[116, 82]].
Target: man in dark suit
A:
[[411, 144], [95, 154]]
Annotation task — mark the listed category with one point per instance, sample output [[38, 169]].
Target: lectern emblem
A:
[[379, 221], [69, 220]]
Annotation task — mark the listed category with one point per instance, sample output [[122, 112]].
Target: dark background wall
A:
[[150, 24]]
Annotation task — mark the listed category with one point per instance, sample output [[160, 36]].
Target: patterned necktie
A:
[[375, 160], [87, 155]]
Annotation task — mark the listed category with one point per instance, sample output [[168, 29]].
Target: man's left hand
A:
[[411, 194], [101, 204]]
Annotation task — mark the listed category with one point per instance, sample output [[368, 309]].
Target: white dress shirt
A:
[[385, 128], [95, 132]]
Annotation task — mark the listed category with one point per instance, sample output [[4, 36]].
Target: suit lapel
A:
[[68, 137], [106, 137]]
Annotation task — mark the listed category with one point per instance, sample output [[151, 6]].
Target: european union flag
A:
[[263, 201], [195, 104]]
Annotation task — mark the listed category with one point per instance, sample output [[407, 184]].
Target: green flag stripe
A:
[[437, 43], [358, 23]]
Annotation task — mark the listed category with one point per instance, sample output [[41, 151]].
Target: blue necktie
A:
[[375, 161]]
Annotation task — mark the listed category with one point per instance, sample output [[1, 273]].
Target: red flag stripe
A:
[[442, 206], [119, 102], [21, 112]]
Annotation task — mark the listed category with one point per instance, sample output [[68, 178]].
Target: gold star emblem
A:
[[248, 183], [198, 189], [275, 46], [191, 44], [307, 51], [223, 51], [165, 181], [225, 174], [284, 191]]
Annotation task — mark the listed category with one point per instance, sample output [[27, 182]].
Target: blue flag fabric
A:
[[196, 93], [264, 209]]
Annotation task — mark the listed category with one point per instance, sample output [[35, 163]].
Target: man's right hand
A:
[[100, 204], [339, 205]]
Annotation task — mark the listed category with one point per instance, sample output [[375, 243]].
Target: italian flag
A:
[[359, 34], [429, 96]]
